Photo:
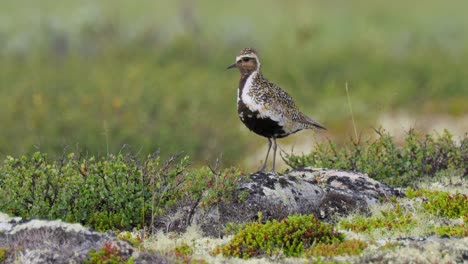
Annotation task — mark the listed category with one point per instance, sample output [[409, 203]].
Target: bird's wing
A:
[[284, 105], [280, 99]]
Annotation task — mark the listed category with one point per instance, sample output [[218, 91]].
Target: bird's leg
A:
[[274, 154], [266, 158]]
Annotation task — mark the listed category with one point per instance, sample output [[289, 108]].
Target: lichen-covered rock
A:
[[430, 249], [320, 191], [40, 241], [324, 193]]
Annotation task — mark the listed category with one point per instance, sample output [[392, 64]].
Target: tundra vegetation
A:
[[90, 90], [88, 190]]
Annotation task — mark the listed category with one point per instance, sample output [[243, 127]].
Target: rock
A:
[[430, 249], [324, 193], [40, 241]]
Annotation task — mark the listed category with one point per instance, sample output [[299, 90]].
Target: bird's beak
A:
[[231, 66]]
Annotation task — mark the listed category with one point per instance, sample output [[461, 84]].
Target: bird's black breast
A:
[[263, 126]]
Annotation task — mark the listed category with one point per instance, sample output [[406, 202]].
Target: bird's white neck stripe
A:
[[246, 95]]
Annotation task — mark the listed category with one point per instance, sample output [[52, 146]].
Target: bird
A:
[[264, 107]]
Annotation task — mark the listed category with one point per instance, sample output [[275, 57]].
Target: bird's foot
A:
[[261, 170]]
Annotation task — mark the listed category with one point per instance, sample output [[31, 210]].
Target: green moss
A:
[[394, 219], [442, 203], [234, 228], [183, 249], [291, 236], [3, 253], [135, 240], [390, 246], [319, 260], [413, 193], [457, 230], [448, 205], [347, 247]]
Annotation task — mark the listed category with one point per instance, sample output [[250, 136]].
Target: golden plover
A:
[[264, 107]]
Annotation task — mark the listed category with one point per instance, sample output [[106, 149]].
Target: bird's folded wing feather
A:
[[281, 101], [285, 106]]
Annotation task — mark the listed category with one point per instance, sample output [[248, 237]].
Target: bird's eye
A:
[[245, 59]]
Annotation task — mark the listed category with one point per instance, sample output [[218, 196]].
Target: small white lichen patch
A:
[[452, 183], [6, 218], [5, 227], [36, 224], [432, 251]]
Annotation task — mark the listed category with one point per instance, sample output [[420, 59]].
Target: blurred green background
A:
[[96, 75]]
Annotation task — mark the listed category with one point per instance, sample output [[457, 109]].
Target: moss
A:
[[447, 205], [347, 247], [3, 253], [457, 230], [108, 254], [390, 246], [135, 239], [233, 228], [183, 249], [396, 218], [442, 203], [291, 236]]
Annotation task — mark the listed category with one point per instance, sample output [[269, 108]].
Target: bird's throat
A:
[[243, 81]]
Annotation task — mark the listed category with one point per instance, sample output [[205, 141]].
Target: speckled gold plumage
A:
[[280, 103], [248, 51], [263, 106]]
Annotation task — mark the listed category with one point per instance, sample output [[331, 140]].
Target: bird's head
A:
[[247, 61]]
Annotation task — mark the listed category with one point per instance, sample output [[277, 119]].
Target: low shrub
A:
[[291, 237], [382, 159], [110, 192], [210, 186]]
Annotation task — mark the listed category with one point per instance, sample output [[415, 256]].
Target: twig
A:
[[216, 167], [352, 115]]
